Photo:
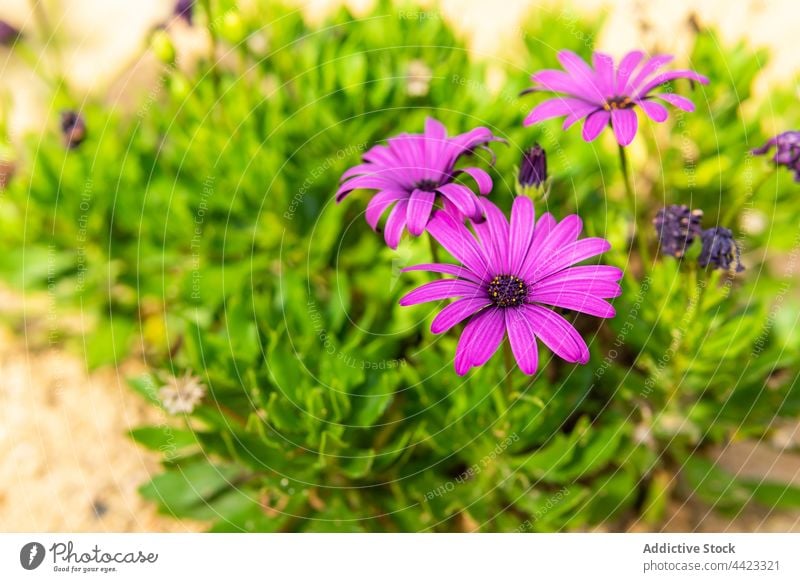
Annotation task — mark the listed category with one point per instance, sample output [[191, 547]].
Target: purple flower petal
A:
[[395, 224], [441, 289], [463, 198], [578, 68], [457, 312], [595, 123], [523, 220], [419, 211], [663, 78], [522, 340], [676, 100], [625, 124], [597, 287], [584, 272], [579, 113], [567, 256], [493, 235], [481, 177], [626, 67], [446, 269], [369, 181], [557, 334], [557, 107], [379, 203], [480, 340], [654, 111], [459, 242], [561, 82], [604, 69], [651, 66], [574, 300]]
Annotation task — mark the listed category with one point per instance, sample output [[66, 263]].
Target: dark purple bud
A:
[[720, 250], [677, 226], [787, 151], [533, 167], [73, 128], [8, 34], [184, 9]]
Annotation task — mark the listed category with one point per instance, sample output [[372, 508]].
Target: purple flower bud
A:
[[533, 167], [73, 128], [677, 227], [787, 151], [184, 9], [720, 250], [8, 34]]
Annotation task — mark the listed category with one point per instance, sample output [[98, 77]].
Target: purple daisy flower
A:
[[787, 151], [414, 170], [512, 274], [606, 94]]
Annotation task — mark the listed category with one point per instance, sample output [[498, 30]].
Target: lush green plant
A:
[[207, 222]]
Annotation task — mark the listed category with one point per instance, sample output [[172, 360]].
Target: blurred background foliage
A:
[[200, 232]]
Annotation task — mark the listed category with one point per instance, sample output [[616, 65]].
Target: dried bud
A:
[[73, 128]]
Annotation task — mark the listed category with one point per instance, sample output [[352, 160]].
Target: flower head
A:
[[533, 168], [181, 395], [677, 227], [605, 94], [511, 276], [787, 151], [8, 34], [412, 172], [73, 128], [720, 249]]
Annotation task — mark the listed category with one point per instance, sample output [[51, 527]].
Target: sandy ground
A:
[[66, 463]]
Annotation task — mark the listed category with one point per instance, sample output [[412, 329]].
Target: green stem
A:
[[499, 392], [434, 249], [638, 232]]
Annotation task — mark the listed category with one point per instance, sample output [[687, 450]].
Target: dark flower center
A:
[[620, 102], [427, 185], [507, 291]]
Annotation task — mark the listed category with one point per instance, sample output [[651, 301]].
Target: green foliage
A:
[[203, 228]]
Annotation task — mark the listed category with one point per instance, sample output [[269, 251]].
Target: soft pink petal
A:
[[577, 67], [463, 198], [597, 287], [676, 100], [654, 111], [625, 124], [561, 82], [522, 340], [663, 78], [481, 177], [595, 123], [480, 340], [419, 211], [604, 69], [557, 334], [441, 289], [457, 312], [459, 242], [557, 107], [395, 224], [493, 235], [579, 113], [368, 182], [523, 220], [651, 66], [445, 269], [626, 67], [567, 256], [574, 300], [379, 203]]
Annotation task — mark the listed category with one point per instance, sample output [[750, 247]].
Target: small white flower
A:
[[181, 395], [418, 78]]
